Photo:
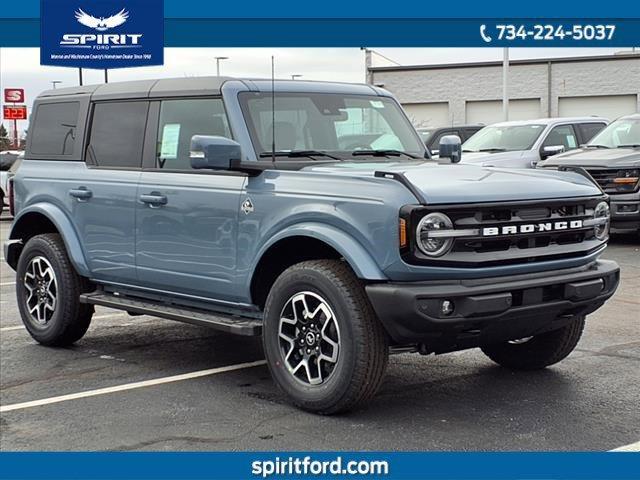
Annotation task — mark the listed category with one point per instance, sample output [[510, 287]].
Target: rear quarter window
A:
[[589, 130], [54, 130]]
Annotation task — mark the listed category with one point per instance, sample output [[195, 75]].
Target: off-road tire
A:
[[70, 318], [540, 351], [363, 351]]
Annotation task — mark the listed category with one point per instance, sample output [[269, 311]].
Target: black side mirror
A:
[[451, 148], [216, 153]]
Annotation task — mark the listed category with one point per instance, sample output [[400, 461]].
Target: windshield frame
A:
[[488, 128], [344, 155], [613, 126]]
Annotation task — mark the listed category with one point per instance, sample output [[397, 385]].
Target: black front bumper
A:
[[490, 310]]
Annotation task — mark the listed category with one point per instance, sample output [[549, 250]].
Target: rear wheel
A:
[[48, 290], [324, 345], [540, 351]]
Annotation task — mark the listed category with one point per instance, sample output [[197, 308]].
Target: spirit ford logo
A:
[[101, 24], [532, 228], [100, 39]]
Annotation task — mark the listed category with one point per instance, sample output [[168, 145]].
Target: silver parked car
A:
[[522, 144]]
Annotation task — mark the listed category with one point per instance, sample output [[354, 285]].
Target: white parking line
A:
[[633, 447], [99, 317], [10, 329], [130, 386], [6, 284]]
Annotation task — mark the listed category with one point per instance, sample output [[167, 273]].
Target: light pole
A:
[[55, 82], [218, 59], [296, 75], [505, 83]]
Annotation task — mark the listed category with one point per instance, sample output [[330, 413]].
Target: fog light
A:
[[447, 307]]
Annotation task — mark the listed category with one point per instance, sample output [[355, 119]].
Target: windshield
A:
[[504, 139], [330, 123], [621, 133]]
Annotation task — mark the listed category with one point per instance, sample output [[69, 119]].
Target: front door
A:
[[187, 219]]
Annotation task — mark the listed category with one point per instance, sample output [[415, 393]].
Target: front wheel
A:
[[540, 351], [48, 290], [324, 345]]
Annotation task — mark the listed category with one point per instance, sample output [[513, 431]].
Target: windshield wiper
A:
[[492, 150], [383, 153], [299, 154], [469, 151], [631, 145], [597, 146]]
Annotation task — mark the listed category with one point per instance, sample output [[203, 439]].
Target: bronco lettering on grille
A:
[[531, 228]]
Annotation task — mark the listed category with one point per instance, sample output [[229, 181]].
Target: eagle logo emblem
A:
[[101, 24]]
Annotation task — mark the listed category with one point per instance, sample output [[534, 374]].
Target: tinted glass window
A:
[[470, 132], [54, 130], [435, 143], [182, 119], [562, 135], [117, 134], [589, 130]]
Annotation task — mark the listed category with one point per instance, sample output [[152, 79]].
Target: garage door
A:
[[608, 106], [428, 114], [490, 111]]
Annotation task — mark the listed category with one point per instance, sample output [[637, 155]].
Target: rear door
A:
[[187, 219]]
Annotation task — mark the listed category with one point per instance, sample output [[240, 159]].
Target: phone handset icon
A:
[[484, 35]]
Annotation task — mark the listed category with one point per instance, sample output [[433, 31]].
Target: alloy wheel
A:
[[41, 290], [309, 338]]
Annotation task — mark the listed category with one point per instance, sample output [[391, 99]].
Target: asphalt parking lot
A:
[[88, 397]]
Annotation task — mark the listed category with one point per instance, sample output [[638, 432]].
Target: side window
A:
[[562, 135], [182, 119], [434, 145], [589, 130], [54, 129], [470, 132], [117, 134]]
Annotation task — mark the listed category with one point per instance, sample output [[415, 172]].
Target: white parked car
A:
[[522, 144], [11, 161]]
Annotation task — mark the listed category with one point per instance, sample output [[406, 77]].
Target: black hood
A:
[[596, 157]]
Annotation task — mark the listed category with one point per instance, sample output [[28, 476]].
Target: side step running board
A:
[[229, 324]]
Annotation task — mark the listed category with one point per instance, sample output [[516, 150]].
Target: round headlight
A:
[[433, 245], [601, 212]]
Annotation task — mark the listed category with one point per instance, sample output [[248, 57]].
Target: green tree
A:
[[5, 142]]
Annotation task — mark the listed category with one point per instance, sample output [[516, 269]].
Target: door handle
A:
[[81, 193], [154, 199]]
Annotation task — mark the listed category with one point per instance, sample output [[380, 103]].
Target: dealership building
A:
[[439, 95]]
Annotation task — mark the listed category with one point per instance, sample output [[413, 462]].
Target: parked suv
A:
[[612, 158], [523, 144], [308, 215], [432, 136]]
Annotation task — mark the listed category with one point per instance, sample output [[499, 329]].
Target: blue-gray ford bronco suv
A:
[[308, 213]]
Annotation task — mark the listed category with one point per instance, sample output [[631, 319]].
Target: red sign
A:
[[14, 112], [14, 95]]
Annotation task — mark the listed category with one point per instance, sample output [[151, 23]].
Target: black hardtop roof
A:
[[198, 86]]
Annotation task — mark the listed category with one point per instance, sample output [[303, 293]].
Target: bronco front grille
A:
[[511, 233]]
